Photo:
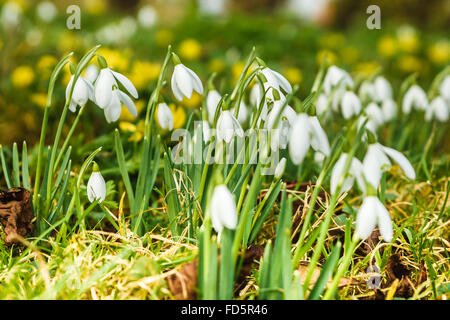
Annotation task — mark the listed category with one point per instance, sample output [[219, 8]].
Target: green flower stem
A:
[[342, 268], [250, 59]]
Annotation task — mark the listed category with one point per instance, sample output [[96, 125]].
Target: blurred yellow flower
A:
[[22, 76], [137, 131], [367, 68], [334, 40], [164, 37], [125, 115], [410, 63], [115, 59], [68, 42], [95, 7], [293, 75], [143, 72], [45, 65], [331, 57], [439, 52], [40, 99], [190, 49], [387, 46], [349, 55], [194, 101], [237, 69], [216, 65], [408, 40]]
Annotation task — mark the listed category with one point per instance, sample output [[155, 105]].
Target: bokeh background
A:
[[292, 36]]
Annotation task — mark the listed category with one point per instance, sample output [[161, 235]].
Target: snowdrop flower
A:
[[184, 81], [389, 109], [147, 16], [82, 91], [106, 85], [438, 109], [376, 161], [212, 101], [307, 132], [371, 213], [355, 171], [228, 127], [91, 73], [279, 170], [165, 116], [206, 131], [243, 113], [96, 186], [370, 125], [321, 104], [276, 80], [382, 89], [113, 110], [10, 14], [416, 98], [222, 209], [444, 89], [213, 8], [46, 11], [287, 119], [336, 77], [375, 114], [350, 105]]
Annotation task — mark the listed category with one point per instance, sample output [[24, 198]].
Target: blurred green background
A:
[[292, 36]]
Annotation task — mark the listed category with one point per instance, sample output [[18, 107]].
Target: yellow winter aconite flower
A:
[[367, 68], [334, 40], [216, 65], [193, 102], [349, 55], [136, 130], [22, 76], [95, 7], [331, 57], [408, 40], [45, 65], [293, 75], [164, 37], [190, 49], [68, 42], [143, 72], [439, 52], [179, 115], [115, 58], [410, 63], [387, 46], [236, 70], [40, 99]]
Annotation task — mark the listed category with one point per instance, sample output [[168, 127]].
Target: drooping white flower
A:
[[91, 73], [306, 132], [389, 109], [375, 114], [438, 109], [354, 171], [376, 161], [370, 125], [46, 11], [444, 89], [350, 105], [276, 80], [96, 186], [212, 101], [228, 126], [279, 169], [113, 110], [184, 82], [321, 104], [106, 84], [382, 89], [165, 116], [280, 134], [222, 209], [82, 92], [415, 98], [336, 76], [243, 113], [206, 131], [371, 213]]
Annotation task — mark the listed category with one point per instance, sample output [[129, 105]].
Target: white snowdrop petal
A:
[[402, 161], [96, 187], [384, 222], [212, 101], [279, 169], [299, 140], [319, 139], [337, 172], [196, 82], [126, 100], [283, 82], [103, 88], [183, 80], [176, 91], [126, 83], [223, 208], [366, 218], [165, 116]]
